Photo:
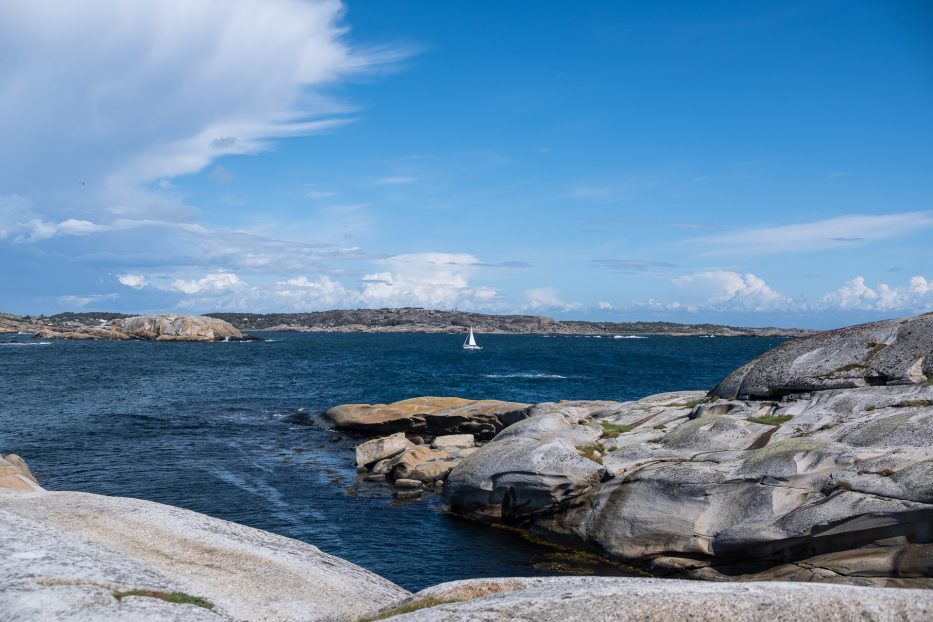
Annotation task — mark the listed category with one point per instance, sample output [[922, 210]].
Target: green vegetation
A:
[[408, 607], [179, 598], [871, 408], [875, 348], [843, 485], [612, 430], [590, 452], [582, 421], [914, 403], [660, 426], [826, 426], [696, 402], [770, 419]]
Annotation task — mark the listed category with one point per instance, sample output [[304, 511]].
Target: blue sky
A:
[[736, 162]]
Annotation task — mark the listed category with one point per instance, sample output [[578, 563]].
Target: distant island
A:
[[409, 320]]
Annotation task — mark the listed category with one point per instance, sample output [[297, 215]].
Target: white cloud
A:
[[211, 283], [727, 290], [916, 296], [538, 298], [208, 79], [853, 294], [133, 280], [438, 280], [605, 306], [841, 232]]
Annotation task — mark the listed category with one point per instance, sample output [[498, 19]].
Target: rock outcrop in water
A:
[[813, 462], [162, 327], [431, 416]]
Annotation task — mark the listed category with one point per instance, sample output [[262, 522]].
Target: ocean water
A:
[[210, 427]]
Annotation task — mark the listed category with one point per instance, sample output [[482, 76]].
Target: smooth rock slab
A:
[[66, 553], [611, 599]]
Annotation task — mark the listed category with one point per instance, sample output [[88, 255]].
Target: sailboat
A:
[[470, 343]]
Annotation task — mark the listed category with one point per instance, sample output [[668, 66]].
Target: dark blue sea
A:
[[209, 427]]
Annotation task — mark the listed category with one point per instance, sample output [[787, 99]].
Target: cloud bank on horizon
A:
[[287, 155]]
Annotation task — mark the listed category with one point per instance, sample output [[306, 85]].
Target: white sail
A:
[[470, 343]]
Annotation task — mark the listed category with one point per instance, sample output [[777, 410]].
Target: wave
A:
[[535, 376], [27, 343], [629, 337]]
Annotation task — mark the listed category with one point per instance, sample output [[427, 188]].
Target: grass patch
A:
[[589, 452], [843, 485], [410, 606], [875, 348], [826, 426], [914, 403], [612, 430], [179, 598], [871, 408], [770, 419], [660, 426]]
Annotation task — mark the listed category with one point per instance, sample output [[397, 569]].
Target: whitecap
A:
[[534, 376]]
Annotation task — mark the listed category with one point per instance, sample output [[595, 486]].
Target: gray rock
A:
[[617, 599], [67, 555], [880, 353], [408, 484], [378, 449], [453, 441], [831, 485], [515, 477]]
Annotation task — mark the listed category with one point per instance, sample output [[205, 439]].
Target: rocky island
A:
[[813, 462], [162, 327]]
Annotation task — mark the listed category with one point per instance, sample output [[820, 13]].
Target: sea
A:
[[220, 428]]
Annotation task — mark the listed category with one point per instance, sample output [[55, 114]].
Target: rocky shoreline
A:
[[393, 320], [812, 463]]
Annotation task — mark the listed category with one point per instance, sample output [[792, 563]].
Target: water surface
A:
[[207, 426]]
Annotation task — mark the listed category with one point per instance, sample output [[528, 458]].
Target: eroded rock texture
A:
[[823, 470]]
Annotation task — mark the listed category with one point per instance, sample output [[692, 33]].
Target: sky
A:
[[750, 163]]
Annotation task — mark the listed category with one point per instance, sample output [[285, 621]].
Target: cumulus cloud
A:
[[727, 290], [440, 280], [211, 283], [133, 280], [605, 306], [856, 294]]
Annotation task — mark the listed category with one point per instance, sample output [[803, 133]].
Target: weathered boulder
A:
[[421, 463], [79, 556], [432, 416], [890, 352], [513, 478], [15, 474], [171, 327], [381, 448], [624, 599]]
